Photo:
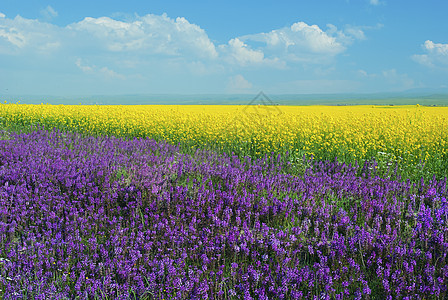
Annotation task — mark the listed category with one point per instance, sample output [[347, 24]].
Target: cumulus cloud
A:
[[238, 84], [299, 37], [306, 43], [147, 35], [13, 36], [2, 15], [238, 52], [315, 39], [151, 34], [163, 37], [21, 34], [156, 47], [436, 55], [241, 53]]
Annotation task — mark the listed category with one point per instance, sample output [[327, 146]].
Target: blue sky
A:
[[189, 47]]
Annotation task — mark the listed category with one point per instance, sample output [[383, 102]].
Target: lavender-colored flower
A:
[[114, 217]]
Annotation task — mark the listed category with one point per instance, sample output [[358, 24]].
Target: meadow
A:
[[223, 202]]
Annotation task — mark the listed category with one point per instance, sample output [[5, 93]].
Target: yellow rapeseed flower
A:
[[413, 133]]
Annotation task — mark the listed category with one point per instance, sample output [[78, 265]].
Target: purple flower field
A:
[[107, 218]]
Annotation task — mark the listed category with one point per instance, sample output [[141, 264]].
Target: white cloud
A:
[[299, 37], [105, 72], [423, 59], [157, 48], [374, 2], [108, 73], [301, 42], [111, 34], [436, 55], [132, 43], [160, 37], [238, 83], [364, 74], [355, 32], [439, 49], [150, 34], [49, 13], [2, 15], [84, 68], [242, 54], [21, 34], [238, 53], [13, 36], [315, 39]]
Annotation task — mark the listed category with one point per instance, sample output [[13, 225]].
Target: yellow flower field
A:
[[408, 133]]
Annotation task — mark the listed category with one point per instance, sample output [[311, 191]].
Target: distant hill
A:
[[426, 91], [437, 97]]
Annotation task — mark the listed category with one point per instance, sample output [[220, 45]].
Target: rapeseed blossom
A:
[[415, 136]]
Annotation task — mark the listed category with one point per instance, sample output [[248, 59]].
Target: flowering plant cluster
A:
[[414, 137], [108, 218]]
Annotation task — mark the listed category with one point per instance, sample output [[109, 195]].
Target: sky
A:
[[222, 47]]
